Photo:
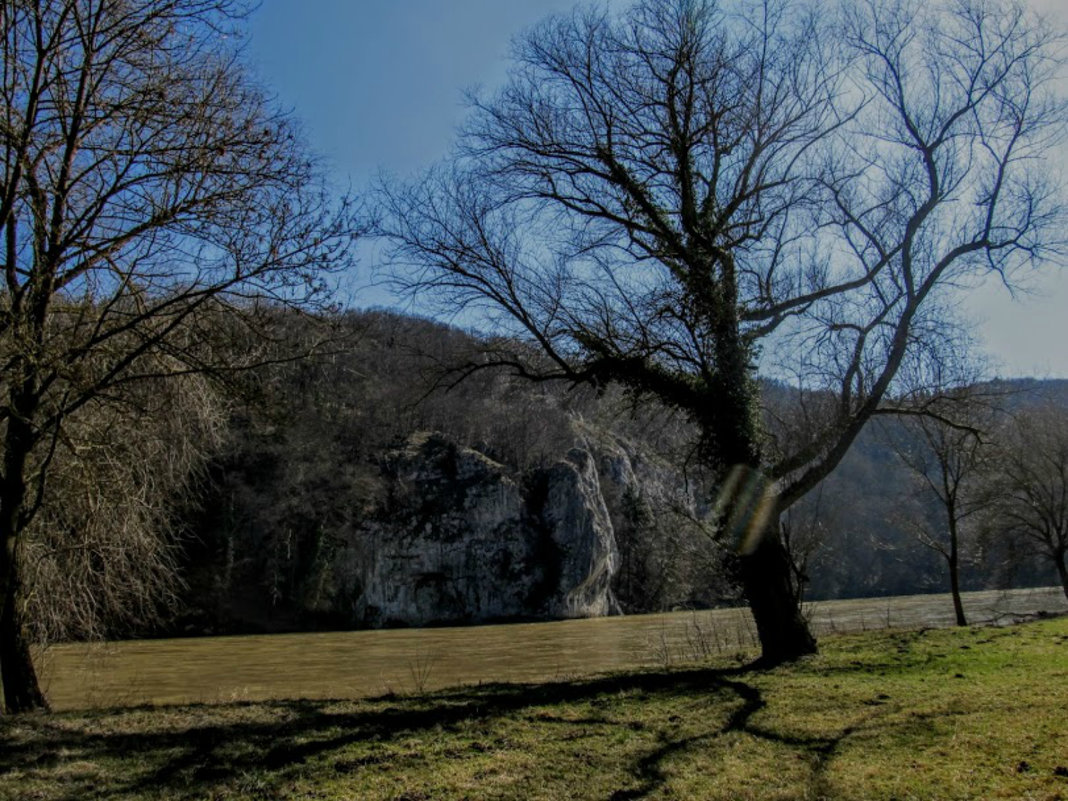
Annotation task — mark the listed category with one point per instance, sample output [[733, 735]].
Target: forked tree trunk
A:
[[750, 509], [751, 520]]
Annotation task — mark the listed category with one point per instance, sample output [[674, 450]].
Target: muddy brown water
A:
[[367, 663]]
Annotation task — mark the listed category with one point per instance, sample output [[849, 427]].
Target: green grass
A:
[[947, 714]]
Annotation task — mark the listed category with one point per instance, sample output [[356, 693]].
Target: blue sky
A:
[[379, 86], [380, 83]]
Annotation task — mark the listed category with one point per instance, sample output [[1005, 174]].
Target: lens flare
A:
[[745, 503]]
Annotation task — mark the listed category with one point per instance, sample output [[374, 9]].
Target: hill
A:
[[338, 500]]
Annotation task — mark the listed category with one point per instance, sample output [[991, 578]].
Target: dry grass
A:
[[953, 714]]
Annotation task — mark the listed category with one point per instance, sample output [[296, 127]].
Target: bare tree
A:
[[149, 192], [101, 555], [947, 450], [804, 533], [1030, 483], [665, 197]]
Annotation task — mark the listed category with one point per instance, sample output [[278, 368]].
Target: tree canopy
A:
[[152, 199], [668, 197]]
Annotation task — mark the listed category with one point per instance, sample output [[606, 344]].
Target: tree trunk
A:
[[22, 693], [953, 558], [1062, 569], [762, 566], [750, 505], [954, 587], [768, 584]]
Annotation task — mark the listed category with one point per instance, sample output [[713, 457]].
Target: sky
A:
[[379, 86]]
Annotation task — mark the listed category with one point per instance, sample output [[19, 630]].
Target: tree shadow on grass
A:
[[191, 757], [650, 769], [201, 750]]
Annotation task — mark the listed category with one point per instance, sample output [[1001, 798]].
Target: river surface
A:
[[367, 663]]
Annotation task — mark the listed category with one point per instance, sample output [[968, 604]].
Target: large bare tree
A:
[[668, 197], [152, 199]]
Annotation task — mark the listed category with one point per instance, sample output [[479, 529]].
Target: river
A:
[[366, 663]]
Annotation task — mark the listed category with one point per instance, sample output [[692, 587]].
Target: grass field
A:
[[921, 714]]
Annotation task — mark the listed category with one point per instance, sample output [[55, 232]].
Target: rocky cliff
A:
[[357, 498], [536, 500], [458, 538]]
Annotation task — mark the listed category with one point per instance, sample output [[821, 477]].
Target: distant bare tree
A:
[[148, 193], [664, 197], [946, 447], [804, 533], [1030, 484]]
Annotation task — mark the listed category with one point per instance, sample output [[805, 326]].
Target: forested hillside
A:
[[287, 529], [283, 523], [862, 519]]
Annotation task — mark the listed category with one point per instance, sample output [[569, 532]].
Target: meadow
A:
[[914, 713]]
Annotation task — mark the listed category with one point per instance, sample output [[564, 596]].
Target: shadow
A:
[[651, 774], [252, 750], [198, 758], [271, 741]]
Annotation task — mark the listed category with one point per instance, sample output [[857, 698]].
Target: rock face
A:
[[459, 539], [435, 532]]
